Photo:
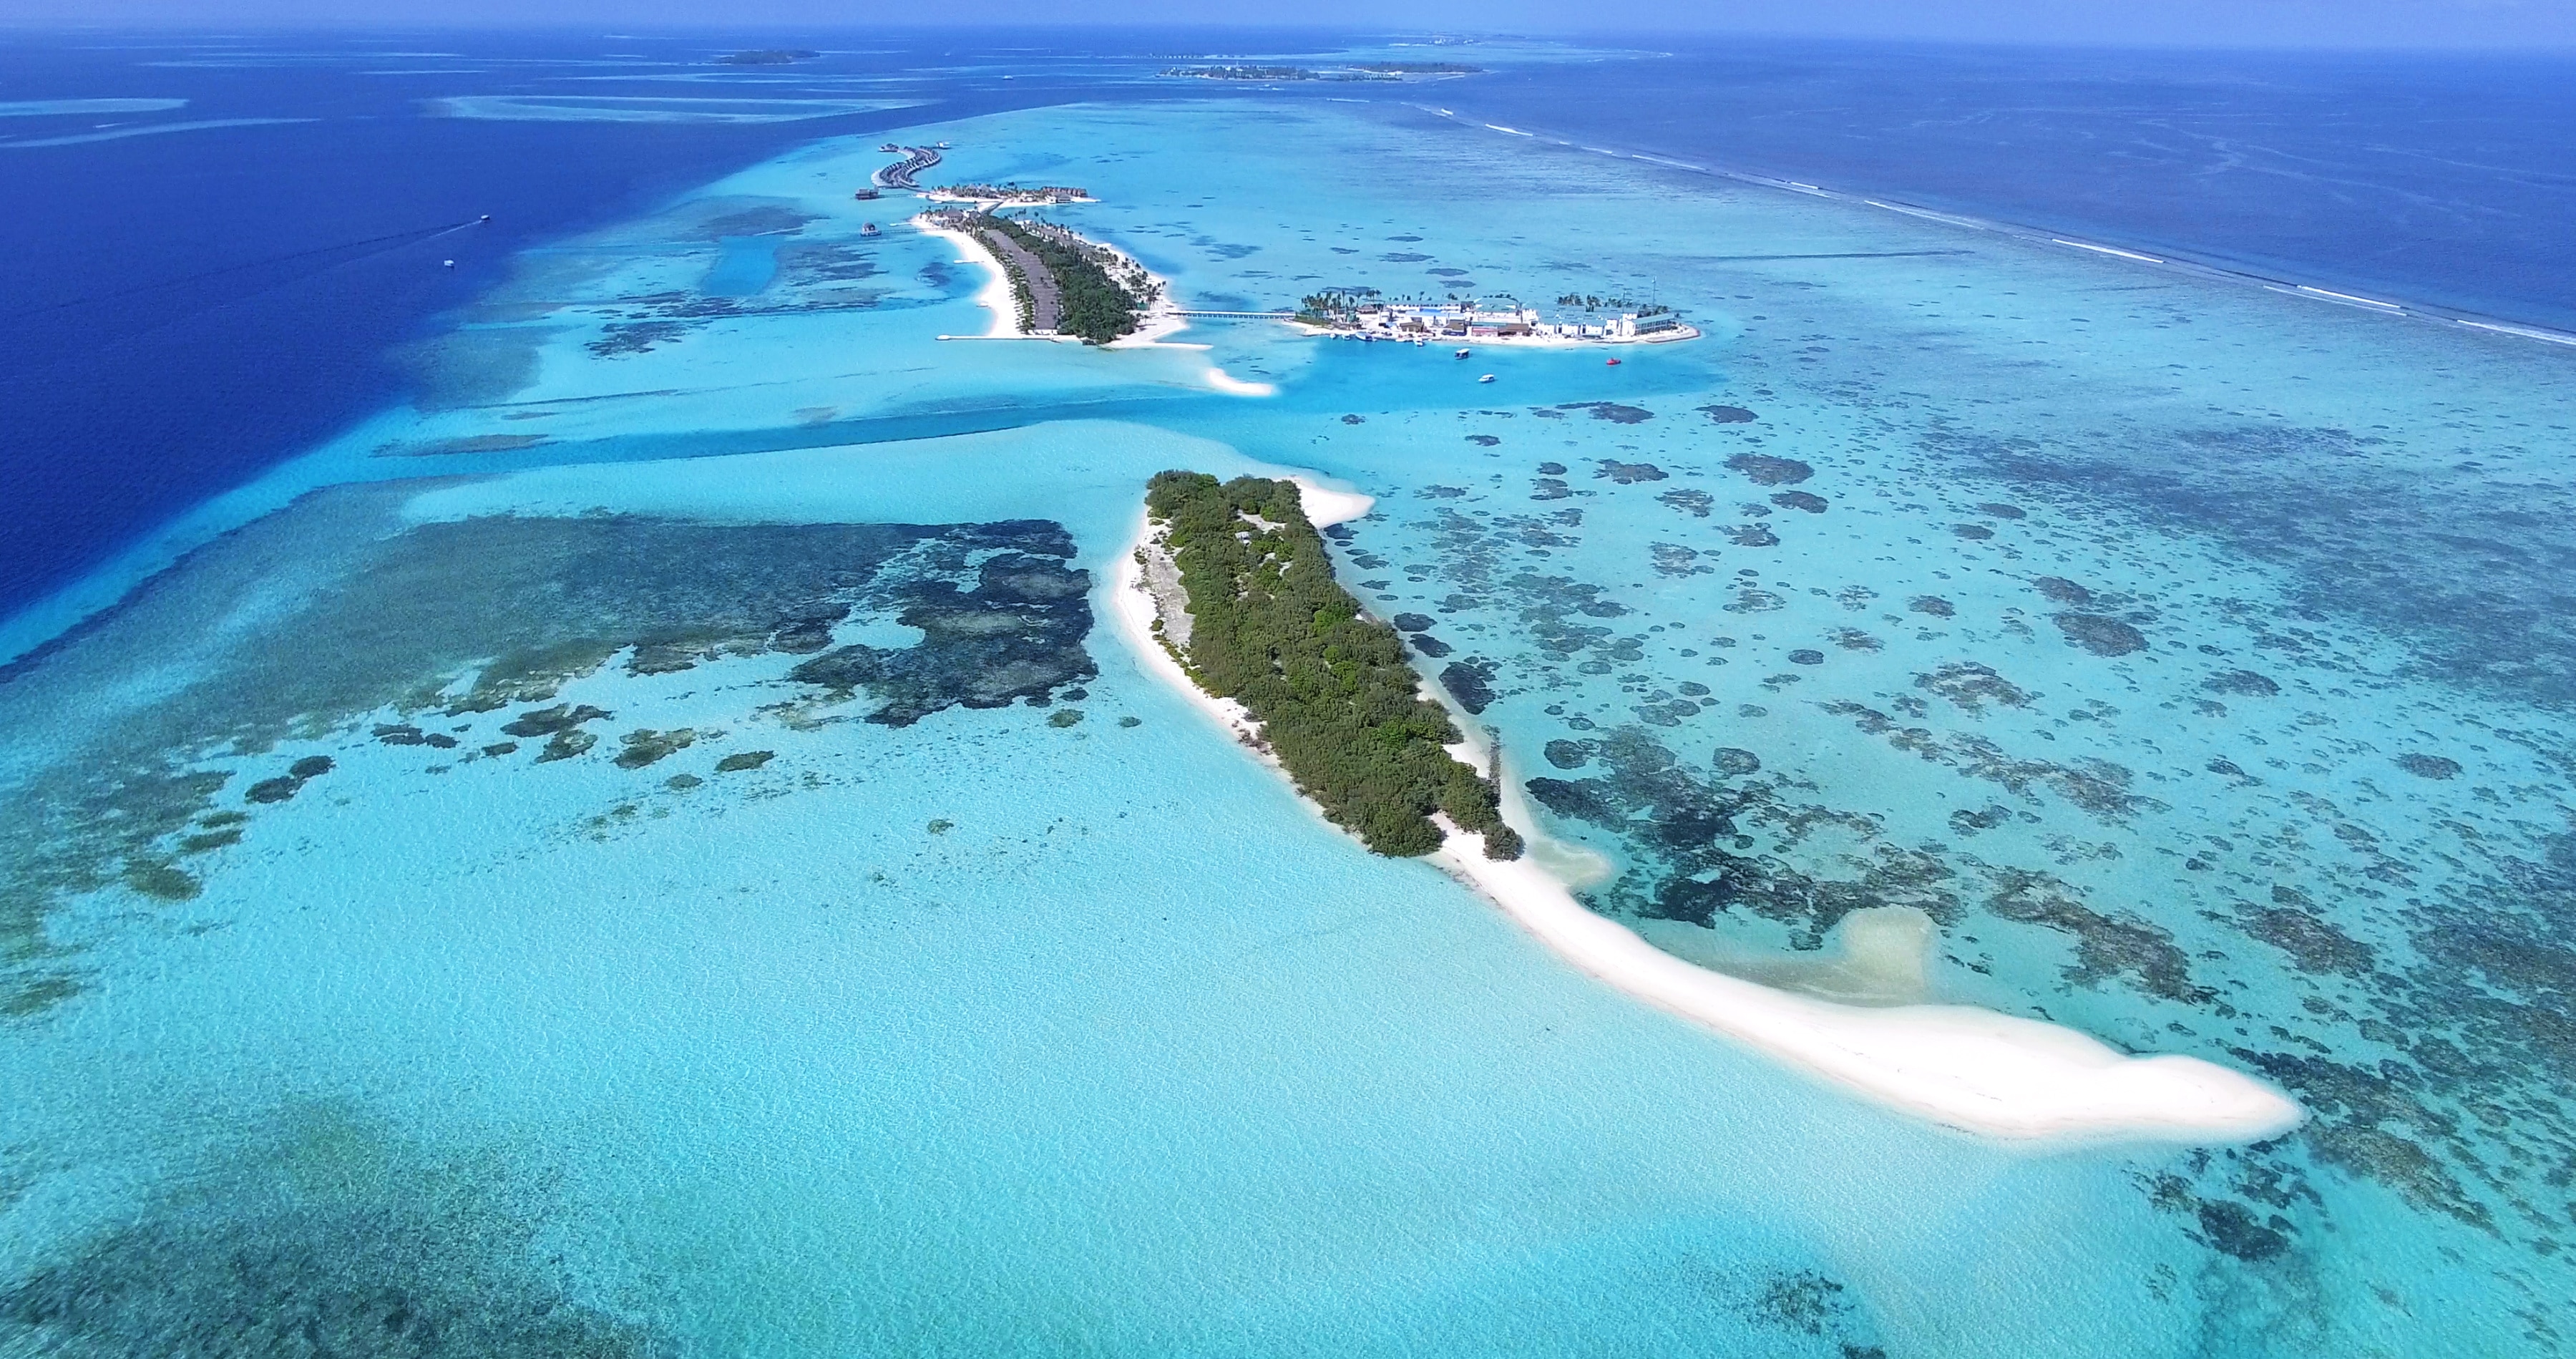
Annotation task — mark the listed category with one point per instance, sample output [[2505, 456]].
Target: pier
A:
[[899, 175]]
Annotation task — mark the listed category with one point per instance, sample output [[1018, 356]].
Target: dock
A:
[[899, 175]]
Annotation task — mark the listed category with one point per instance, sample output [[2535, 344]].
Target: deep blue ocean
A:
[[186, 308]]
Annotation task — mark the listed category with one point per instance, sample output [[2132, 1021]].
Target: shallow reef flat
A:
[[608, 978], [2179, 651], [2186, 659]]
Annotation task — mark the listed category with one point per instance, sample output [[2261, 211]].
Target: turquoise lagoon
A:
[[2190, 654]]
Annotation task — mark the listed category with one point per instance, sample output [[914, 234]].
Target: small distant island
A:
[[1010, 195], [1246, 602], [1062, 284], [1577, 319], [768, 56], [1365, 70]]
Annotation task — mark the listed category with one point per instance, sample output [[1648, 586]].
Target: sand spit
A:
[[2017, 1080]]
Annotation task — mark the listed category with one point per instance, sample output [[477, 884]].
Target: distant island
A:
[[1010, 195], [1266, 625], [1366, 70], [1577, 318], [768, 56]]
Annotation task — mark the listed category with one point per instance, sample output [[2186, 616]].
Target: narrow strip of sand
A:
[[995, 295], [2014, 1079]]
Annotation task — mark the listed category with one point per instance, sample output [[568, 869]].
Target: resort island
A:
[[1365, 70], [1061, 286], [1360, 313], [987, 197]]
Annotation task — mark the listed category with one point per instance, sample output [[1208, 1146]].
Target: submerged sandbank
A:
[[1997, 1075]]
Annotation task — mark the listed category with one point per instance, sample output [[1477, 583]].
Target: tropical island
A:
[[989, 196], [1364, 70], [1247, 604], [1227, 595], [1061, 285], [1578, 318]]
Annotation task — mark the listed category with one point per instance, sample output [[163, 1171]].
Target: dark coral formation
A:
[[286, 785], [644, 745], [1973, 685], [1727, 415], [2099, 633], [1470, 682], [1766, 470], [522, 604], [353, 1257], [2425, 766], [2060, 590], [2241, 683], [1611, 411], [1017, 635], [1628, 473]]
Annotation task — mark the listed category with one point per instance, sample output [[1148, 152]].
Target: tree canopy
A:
[[1336, 699]]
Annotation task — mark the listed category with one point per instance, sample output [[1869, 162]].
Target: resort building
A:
[[1475, 321]]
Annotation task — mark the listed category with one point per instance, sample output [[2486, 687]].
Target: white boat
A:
[[1486, 378], [1462, 353]]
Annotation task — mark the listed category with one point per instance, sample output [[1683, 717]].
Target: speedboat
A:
[[1486, 378], [1462, 353], [1614, 363]]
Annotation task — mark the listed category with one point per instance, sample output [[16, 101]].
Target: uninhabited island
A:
[[1228, 596], [1246, 602]]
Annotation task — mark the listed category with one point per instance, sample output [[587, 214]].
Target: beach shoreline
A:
[[1162, 316], [995, 295], [2018, 1081]]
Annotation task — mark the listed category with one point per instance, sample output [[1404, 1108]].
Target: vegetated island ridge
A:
[[1266, 625], [2015, 1079], [1058, 285]]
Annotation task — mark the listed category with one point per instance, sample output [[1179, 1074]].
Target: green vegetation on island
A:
[[1079, 297], [1336, 700]]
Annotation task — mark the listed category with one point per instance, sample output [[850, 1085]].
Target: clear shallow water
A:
[[1129, 1052]]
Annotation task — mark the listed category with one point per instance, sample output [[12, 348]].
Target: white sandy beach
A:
[[2014, 1079], [995, 295]]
